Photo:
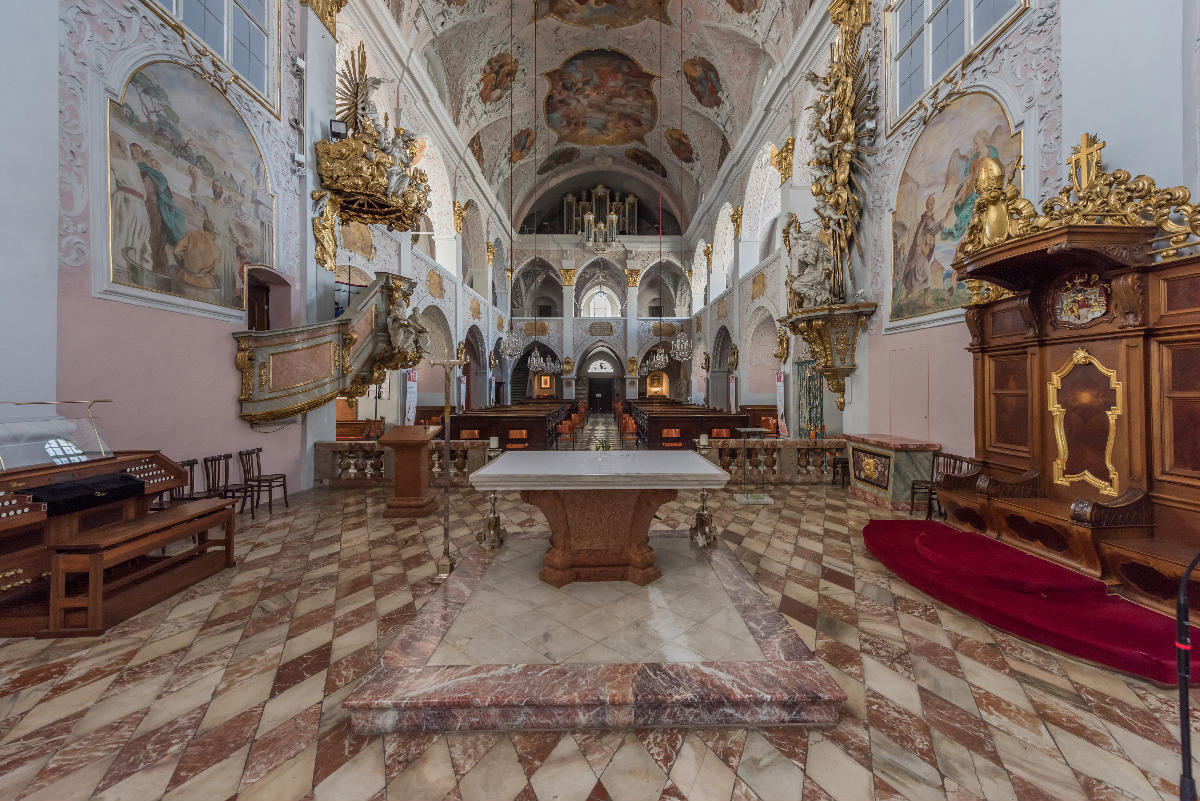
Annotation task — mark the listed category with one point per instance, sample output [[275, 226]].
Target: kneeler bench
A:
[[134, 585], [1067, 534], [1149, 570]]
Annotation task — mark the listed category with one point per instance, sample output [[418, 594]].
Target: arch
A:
[[431, 385], [281, 292], [476, 369], [605, 347], [759, 358], [722, 259], [600, 272], [441, 198], [673, 291], [537, 283], [522, 381], [718, 374], [474, 251], [499, 270], [599, 301], [699, 277], [763, 198]]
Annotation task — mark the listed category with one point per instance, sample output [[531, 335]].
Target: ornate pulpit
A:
[[1085, 330], [411, 472]]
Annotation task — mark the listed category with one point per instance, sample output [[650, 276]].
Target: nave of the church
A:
[[234, 688]]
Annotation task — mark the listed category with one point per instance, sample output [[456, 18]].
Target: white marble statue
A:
[[809, 285]]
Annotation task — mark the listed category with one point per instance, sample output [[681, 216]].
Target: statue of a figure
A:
[[400, 149], [811, 284], [404, 332]]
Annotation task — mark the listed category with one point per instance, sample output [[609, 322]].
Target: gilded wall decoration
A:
[[326, 11], [663, 329], [498, 75], [646, 160], [602, 13], [522, 143], [1085, 398], [535, 328], [722, 309], [557, 159], [189, 200], [601, 329], [781, 159], [680, 145], [871, 467], [357, 238], [935, 200], [568, 276], [460, 215], [476, 309], [434, 285], [704, 81], [758, 286], [631, 366], [600, 97], [500, 323]]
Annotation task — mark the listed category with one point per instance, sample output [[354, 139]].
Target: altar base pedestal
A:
[[411, 473]]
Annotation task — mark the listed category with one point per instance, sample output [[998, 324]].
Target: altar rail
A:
[[784, 461]]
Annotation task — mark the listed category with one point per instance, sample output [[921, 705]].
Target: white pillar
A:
[[29, 220], [447, 250], [631, 325]]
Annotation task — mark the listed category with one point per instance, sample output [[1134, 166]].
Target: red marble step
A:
[[573, 696]]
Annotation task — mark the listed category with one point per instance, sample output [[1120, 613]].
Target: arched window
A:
[[600, 306], [601, 366]]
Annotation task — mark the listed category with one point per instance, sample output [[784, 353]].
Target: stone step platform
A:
[[496, 649]]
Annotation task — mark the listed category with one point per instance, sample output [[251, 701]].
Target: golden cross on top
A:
[[1085, 161]]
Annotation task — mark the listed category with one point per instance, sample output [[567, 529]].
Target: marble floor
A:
[[233, 688], [514, 617]]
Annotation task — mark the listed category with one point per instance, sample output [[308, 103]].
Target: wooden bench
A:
[[116, 545]]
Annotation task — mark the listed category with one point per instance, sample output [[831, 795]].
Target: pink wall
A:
[[920, 386], [171, 376]]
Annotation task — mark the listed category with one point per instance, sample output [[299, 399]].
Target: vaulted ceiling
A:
[[547, 91]]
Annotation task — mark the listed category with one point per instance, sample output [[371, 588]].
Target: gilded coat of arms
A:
[[1083, 299]]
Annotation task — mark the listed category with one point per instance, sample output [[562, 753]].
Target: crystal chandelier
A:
[[681, 347], [655, 360], [512, 344], [543, 364]]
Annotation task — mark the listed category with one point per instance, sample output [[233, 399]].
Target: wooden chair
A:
[[469, 433], [178, 495], [518, 439], [629, 432], [841, 471], [671, 438], [566, 431], [719, 433], [772, 426], [216, 482], [944, 464], [269, 481]]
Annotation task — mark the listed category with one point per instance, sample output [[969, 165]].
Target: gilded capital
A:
[[708, 251], [460, 215], [326, 11], [491, 253], [735, 216], [568, 276], [781, 159], [632, 276]]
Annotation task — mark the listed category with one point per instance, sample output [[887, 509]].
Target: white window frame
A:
[[269, 93], [974, 42]]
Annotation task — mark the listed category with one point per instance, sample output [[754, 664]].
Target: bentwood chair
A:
[[469, 433], [671, 438], [217, 484], [629, 432], [719, 433], [267, 482], [943, 464], [518, 439], [772, 426], [566, 432]]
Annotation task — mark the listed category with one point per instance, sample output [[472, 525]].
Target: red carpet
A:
[[1027, 596]]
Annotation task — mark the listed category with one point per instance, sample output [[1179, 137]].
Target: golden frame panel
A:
[[1112, 486]]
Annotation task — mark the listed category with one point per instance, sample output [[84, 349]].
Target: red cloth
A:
[[1027, 596]]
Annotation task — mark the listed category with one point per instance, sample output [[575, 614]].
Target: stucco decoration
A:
[[103, 43], [602, 14]]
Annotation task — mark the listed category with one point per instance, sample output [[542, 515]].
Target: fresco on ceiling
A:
[[646, 160], [601, 97], [704, 81], [189, 203], [602, 13], [498, 75], [680, 145], [476, 148], [935, 198], [522, 143], [724, 152], [743, 6], [557, 159]]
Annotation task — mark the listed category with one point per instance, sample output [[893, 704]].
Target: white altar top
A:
[[599, 470]]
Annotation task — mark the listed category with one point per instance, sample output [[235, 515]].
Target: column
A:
[[447, 249], [632, 276], [568, 322], [29, 302]]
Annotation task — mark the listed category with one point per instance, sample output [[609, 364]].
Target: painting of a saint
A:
[[646, 160], [704, 81], [680, 145], [498, 75], [476, 148], [190, 205], [601, 97], [522, 143], [602, 13], [935, 199], [557, 159]]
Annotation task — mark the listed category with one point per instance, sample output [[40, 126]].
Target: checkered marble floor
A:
[[232, 689], [601, 430]]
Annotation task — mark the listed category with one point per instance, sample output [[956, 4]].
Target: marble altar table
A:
[[883, 467], [599, 505]]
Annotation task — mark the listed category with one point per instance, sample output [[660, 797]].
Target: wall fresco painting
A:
[[680, 145], [476, 148], [743, 6], [190, 204], [498, 75], [704, 81], [602, 13], [557, 159], [601, 97], [646, 160], [723, 153], [935, 198], [522, 143]]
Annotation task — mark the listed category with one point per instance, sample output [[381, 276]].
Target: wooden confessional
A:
[[1085, 330]]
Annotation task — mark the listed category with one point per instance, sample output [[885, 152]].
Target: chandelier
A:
[[654, 361], [681, 347], [544, 364], [511, 344]]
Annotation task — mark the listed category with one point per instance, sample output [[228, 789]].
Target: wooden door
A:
[[601, 392], [258, 306]]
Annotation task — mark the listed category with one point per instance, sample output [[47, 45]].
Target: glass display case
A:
[[30, 437]]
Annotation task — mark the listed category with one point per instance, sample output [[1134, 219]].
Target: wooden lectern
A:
[[410, 450]]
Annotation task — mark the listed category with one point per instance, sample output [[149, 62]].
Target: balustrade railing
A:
[[775, 461], [351, 462]]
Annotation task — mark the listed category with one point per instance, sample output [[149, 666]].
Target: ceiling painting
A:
[[476, 148], [680, 145], [743, 6], [704, 81], [601, 97], [646, 160], [557, 159], [498, 75], [724, 152], [602, 13], [522, 143]]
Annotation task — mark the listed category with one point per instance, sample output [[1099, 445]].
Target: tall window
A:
[[600, 302], [238, 32], [930, 37]]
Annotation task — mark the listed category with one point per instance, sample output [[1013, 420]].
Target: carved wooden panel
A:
[[1181, 398], [1009, 385], [1181, 293]]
